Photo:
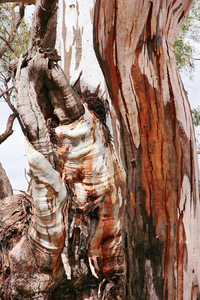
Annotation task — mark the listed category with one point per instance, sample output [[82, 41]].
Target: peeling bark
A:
[[134, 44], [77, 182], [97, 183], [70, 240]]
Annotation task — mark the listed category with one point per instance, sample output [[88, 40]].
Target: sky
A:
[[12, 153], [193, 87]]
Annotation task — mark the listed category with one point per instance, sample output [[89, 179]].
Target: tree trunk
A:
[[65, 237], [77, 183], [134, 45]]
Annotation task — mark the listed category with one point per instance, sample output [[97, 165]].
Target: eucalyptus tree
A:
[[111, 212]]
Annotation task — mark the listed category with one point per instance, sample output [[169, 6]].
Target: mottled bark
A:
[[77, 182], [69, 241], [134, 44]]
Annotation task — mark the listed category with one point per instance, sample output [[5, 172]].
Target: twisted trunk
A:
[[77, 181], [134, 45], [67, 233]]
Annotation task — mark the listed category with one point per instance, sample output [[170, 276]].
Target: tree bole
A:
[[134, 45]]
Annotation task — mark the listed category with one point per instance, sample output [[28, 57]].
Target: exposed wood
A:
[[43, 29], [78, 188], [14, 217], [77, 180], [134, 44], [5, 186], [97, 183], [45, 82]]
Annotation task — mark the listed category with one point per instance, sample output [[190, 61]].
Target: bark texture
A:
[[134, 45], [77, 189], [65, 237], [5, 186]]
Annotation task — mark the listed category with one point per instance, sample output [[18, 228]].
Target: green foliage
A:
[[18, 43], [189, 34], [196, 116]]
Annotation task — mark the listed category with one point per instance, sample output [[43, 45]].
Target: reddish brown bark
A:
[[134, 44]]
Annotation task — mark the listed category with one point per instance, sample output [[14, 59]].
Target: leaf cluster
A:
[[184, 48], [15, 38], [196, 116]]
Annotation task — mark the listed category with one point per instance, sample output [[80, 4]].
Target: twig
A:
[[9, 126], [8, 44], [191, 56], [15, 111], [2, 94]]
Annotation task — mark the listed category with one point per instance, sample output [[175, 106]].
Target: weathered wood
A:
[[97, 183], [76, 210], [5, 186], [43, 29], [43, 93], [134, 44], [14, 218]]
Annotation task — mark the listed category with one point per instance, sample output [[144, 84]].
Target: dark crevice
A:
[[181, 16], [177, 8], [96, 105]]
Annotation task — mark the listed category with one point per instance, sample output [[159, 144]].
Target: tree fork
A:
[[76, 212]]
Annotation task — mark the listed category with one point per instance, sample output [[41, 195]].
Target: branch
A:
[[18, 117], [9, 126], [8, 44], [43, 33], [2, 94], [191, 56], [14, 109]]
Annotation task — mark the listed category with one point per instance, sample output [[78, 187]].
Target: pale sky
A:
[[193, 87]]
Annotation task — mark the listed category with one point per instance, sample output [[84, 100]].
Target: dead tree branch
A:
[[5, 92], [9, 126]]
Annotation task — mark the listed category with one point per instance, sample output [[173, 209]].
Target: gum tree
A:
[[81, 183]]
